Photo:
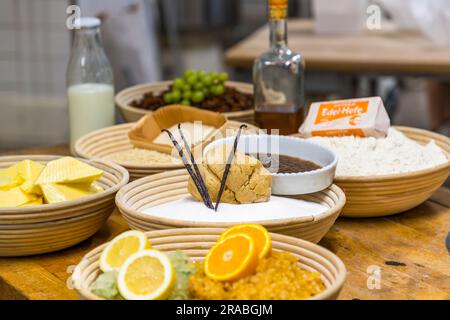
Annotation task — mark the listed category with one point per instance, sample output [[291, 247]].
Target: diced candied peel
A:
[[277, 277]]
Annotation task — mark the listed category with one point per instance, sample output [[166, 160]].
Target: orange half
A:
[[259, 234], [231, 259]]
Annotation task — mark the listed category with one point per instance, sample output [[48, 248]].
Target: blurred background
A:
[[150, 40]]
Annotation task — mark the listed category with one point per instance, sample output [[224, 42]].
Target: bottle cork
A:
[[278, 9]]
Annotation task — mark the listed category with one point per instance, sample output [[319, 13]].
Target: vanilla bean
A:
[[228, 165], [197, 171], [187, 166]]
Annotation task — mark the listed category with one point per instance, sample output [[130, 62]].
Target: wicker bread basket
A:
[[379, 196], [104, 142], [168, 186], [50, 227], [133, 114], [195, 242], [101, 144]]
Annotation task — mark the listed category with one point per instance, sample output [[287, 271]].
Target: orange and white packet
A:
[[364, 117]]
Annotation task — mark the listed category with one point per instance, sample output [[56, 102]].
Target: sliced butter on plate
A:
[[68, 170], [15, 197], [56, 192]]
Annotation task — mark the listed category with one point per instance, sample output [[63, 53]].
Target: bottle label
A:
[[278, 9]]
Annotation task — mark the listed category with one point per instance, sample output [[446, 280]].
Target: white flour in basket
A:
[[189, 209], [391, 155]]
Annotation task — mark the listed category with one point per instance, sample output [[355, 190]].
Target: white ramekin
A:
[[289, 183]]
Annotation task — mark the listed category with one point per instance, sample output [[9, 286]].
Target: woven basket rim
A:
[[123, 177], [133, 168], [79, 150], [332, 290], [125, 210]]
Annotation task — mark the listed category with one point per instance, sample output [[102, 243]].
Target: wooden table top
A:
[[387, 51], [408, 249]]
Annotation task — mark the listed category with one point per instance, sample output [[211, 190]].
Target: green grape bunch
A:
[[195, 86]]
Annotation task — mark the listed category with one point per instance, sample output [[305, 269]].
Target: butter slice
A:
[[55, 192], [29, 171], [9, 179], [15, 197], [36, 202], [68, 170], [23, 173]]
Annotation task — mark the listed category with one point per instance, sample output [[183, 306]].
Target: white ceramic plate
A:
[[289, 183]]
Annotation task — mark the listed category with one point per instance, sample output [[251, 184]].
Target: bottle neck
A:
[[278, 22], [278, 33], [88, 38]]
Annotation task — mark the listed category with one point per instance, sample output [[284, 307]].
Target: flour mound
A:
[[391, 155]]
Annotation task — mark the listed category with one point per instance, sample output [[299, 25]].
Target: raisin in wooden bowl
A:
[[236, 103]]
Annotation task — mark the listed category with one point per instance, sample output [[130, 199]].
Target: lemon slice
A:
[[120, 248], [146, 275]]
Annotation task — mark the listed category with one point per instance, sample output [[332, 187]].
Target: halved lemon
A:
[[120, 248], [231, 258], [259, 234], [146, 275]]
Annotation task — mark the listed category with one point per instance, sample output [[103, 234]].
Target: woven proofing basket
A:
[[170, 186], [133, 114], [101, 144], [391, 194], [45, 228], [196, 242]]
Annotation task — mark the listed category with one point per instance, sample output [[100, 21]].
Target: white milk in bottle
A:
[[91, 107], [90, 89]]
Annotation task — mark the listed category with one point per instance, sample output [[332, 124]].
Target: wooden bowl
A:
[[385, 195], [51, 227], [172, 185], [133, 114], [196, 242], [104, 142]]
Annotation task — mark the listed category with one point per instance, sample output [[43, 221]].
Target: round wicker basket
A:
[[168, 186], [390, 194], [51, 227], [133, 114], [102, 143], [196, 242]]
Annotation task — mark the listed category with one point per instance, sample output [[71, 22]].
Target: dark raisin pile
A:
[[232, 100]]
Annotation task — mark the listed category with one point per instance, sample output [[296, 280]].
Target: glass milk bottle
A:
[[90, 88], [278, 78]]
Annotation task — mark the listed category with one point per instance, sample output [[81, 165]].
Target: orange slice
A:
[[231, 258], [259, 234]]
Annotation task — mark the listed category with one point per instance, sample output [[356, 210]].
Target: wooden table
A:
[[408, 249], [387, 51]]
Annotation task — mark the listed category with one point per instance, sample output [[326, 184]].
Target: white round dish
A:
[[289, 183]]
